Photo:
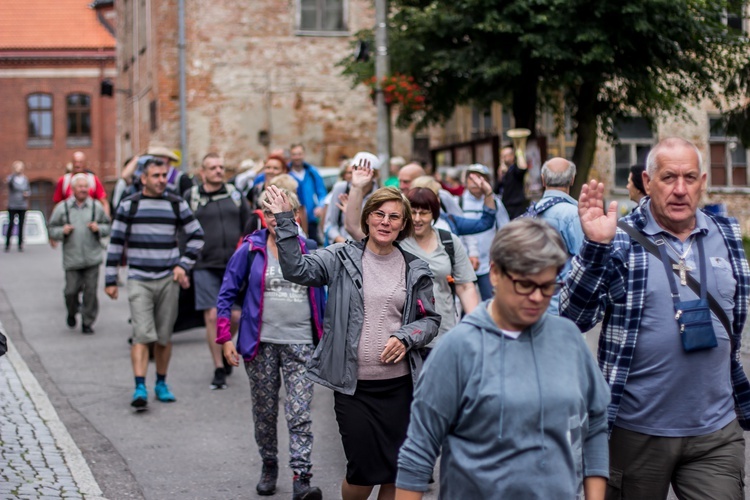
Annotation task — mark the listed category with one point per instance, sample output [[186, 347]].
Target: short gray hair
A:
[[558, 179], [78, 177], [528, 246], [670, 143]]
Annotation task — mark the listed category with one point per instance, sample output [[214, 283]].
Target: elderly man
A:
[[672, 359], [560, 210], [411, 171], [80, 222], [63, 189]]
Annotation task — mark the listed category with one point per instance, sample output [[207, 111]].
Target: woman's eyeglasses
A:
[[526, 287], [379, 215]]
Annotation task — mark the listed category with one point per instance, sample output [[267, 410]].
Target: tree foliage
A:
[[605, 60]]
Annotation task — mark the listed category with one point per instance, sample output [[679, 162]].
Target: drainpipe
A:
[[382, 69], [185, 153]]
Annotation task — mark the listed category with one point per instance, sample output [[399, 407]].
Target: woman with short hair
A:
[[512, 395], [380, 315]]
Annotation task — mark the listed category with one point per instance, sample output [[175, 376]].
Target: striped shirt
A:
[[608, 283], [152, 249]]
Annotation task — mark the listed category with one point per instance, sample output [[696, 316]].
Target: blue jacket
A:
[[237, 274], [311, 191]]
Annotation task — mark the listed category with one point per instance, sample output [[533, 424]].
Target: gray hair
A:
[[79, 177], [528, 246], [558, 179], [670, 143]]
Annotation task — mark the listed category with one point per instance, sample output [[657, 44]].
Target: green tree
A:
[[605, 60]]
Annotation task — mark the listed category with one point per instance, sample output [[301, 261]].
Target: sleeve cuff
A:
[[223, 333]]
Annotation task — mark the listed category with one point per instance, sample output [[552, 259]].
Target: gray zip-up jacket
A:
[[334, 364]]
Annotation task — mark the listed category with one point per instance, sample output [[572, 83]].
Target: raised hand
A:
[[597, 225], [362, 174], [277, 200], [343, 202]]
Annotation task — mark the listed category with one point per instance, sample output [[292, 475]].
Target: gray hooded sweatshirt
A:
[[522, 418]]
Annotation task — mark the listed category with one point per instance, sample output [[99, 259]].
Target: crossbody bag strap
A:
[[692, 282]]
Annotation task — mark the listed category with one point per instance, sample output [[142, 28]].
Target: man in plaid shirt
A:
[[676, 416]]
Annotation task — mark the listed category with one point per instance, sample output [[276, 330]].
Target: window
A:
[[481, 123], [322, 17], [79, 120], [728, 157], [39, 120], [734, 16], [634, 140]]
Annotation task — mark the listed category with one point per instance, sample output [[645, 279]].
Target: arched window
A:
[[79, 119], [39, 120]]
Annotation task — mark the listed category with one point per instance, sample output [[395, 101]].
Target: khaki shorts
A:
[[153, 309]]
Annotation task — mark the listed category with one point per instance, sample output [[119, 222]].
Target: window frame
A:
[[632, 143], [725, 140], [38, 140], [78, 139], [300, 31]]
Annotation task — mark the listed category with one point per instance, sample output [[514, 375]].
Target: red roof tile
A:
[[51, 24]]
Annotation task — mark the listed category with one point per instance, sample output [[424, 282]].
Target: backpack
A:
[[535, 211], [197, 198], [446, 238], [93, 214]]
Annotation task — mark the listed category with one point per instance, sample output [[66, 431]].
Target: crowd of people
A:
[[445, 316]]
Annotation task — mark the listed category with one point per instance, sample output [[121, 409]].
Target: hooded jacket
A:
[[523, 418], [238, 274], [334, 363]]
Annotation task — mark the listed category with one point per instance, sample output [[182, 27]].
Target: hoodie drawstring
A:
[[542, 462]]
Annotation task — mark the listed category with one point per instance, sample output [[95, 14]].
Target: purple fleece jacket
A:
[[236, 274]]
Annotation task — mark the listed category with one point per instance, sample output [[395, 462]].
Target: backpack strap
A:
[[446, 238], [536, 209], [134, 200], [67, 210]]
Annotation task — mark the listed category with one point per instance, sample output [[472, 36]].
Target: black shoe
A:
[[87, 330], [268, 476], [220, 379], [71, 321], [227, 366], [301, 489]]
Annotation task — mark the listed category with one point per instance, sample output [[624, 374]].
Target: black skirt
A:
[[373, 424]]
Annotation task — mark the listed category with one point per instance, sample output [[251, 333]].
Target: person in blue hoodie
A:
[[511, 395]]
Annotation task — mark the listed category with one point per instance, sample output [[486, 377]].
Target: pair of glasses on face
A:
[[267, 214], [379, 215], [527, 287], [421, 213]]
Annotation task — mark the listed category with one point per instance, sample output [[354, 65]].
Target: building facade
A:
[[52, 64], [259, 76]]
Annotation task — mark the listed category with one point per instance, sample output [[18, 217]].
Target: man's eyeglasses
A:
[[379, 215], [526, 287]]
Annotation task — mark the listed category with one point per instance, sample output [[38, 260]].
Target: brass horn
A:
[[519, 136]]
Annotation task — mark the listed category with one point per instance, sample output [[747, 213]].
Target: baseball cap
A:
[[478, 168], [364, 155]]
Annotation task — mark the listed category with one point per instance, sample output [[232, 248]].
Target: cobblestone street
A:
[[37, 456]]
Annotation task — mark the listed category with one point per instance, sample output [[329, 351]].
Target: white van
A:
[[34, 229]]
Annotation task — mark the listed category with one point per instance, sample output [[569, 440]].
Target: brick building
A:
[[259, 75], [53, 58]]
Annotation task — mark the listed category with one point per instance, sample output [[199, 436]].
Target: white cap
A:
[[364, 155]]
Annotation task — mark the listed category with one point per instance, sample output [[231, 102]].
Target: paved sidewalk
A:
[[38, 458]]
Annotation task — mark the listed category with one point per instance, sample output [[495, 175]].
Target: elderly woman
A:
[[446, 256], [380, 314], [280, 325], [512, 394]]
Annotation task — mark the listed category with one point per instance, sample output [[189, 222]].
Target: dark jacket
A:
[[223, 216], [339, 266]]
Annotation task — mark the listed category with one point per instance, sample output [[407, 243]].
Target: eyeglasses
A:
[[379, 215], [268, 214], [526, 287], [422, 213]]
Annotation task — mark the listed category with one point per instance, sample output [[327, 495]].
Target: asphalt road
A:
[[200, 447]]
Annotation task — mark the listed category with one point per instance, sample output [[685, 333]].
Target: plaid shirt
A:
[[608, 282]]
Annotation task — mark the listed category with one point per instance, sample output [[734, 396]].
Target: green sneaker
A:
[[163, 393], [140, 397]]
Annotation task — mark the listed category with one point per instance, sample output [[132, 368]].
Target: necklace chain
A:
[[684, 255]]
